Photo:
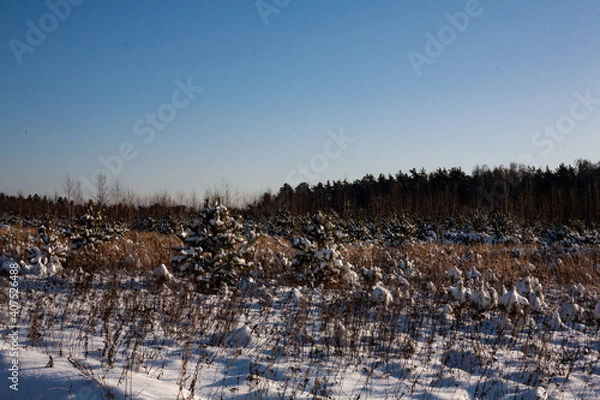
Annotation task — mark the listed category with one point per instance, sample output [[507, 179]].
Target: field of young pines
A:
[[314, 307]]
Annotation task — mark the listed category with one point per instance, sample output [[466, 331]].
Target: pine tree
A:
[[92, 228], [318, 260], [217, 248]]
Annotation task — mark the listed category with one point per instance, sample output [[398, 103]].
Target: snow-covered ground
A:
[[138, 337], [90, 313]]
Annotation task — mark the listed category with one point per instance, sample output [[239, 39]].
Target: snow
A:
[[381, 295], [454, 274], [273, 342], [76, 379], [481, 300], [6, 264], [386, 328], [474, 274], [240, 337], [556, 322], [570, 312], [161, 272], [513, 302], [458, 293], [536, 302]]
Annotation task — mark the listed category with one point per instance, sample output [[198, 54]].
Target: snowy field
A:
[[127, 338], [430, 319]]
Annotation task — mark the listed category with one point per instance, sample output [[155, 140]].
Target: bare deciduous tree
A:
[[70, 188], [78, 195], [180, 197], [227, 193], [117, 192], [194, 201], [130, 198], [102, 195]]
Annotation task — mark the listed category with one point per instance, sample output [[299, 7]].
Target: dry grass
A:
[[554, 267], [121, 322], [144, 251], [136, 251]]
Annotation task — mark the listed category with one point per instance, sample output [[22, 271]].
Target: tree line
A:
[[568, 192]]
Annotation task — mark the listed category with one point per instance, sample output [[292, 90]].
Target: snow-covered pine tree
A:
[[398, 230], [47, 254], [217, 249], [91, 229], [318, 260]]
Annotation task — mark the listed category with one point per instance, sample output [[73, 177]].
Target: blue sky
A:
[[276, 87]]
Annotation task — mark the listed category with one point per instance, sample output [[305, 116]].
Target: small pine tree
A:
[[502, 226], [399, 230], [318, 260], [91, 229], [47, 253], [216, 248]]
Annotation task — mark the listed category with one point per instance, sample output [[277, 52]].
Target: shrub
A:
[[399, 230], [217, 249], [91, 229], [318, 259], [48, 252]]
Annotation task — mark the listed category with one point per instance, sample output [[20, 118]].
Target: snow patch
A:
[[162, 273]]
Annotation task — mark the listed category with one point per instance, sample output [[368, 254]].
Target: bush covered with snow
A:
[[92, 228], [318, 259], [47, 254], [216, 250], [514, 304], [162, 274], [166, 225], [398, 230]]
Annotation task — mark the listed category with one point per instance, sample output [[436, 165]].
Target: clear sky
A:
[[399, 84]]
